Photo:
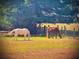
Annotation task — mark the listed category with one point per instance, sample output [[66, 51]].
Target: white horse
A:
[[24, 31]]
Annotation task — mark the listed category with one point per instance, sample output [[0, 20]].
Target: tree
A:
[[75, 4], [4, 21]]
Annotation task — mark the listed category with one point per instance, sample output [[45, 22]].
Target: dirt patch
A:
[[45, 54]]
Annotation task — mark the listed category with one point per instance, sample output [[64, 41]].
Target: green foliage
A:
[[4, 21]]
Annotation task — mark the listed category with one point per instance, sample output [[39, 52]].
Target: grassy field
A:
[[39, 48]]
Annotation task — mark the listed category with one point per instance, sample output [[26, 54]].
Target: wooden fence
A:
[[3, 33]]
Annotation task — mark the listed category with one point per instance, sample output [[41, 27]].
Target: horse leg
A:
[[15, 36], [29, 36], [52, 35], [59, 35], [56, 35], [49, 35], [25, 37]]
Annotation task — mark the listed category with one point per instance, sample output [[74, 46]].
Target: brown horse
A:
[[54, 32]]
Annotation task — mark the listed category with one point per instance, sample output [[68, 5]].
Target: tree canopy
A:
[[26, 13]]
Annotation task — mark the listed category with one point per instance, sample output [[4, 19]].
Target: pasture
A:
[[39, 48]]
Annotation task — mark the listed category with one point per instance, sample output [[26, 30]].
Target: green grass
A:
[[36, 43]]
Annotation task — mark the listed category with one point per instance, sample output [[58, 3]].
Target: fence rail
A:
[[3, 33]]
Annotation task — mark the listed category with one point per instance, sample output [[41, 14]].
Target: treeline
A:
[[20, 15]]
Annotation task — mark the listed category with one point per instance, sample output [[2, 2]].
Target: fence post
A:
[[74, 31], [65, 30]]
